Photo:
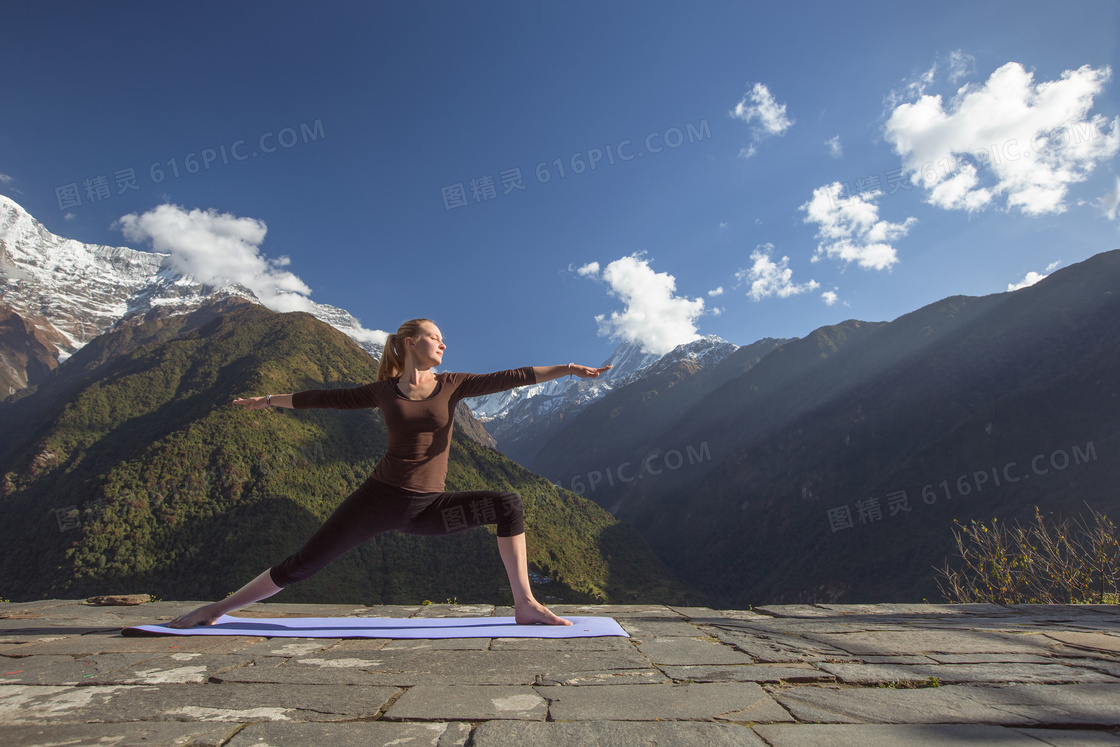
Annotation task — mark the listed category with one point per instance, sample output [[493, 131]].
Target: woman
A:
[[406, 491]]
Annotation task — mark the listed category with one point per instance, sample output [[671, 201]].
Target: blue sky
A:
[[758, 171]]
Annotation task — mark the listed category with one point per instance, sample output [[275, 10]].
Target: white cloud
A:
[[765, 116], [759, 104], [6, 180], [591, 268], [1110, 202], [961, 65], [835, 149], [723, 224], [769, 278], [654, 315], [1010, 139], [716, 292], [1033, 277], [830, 298], [748, 152], [916, 86], [219, 249], [850, 230]]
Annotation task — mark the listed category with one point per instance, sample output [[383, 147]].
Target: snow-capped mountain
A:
[[627, 359], [72, 292], [521, 419]]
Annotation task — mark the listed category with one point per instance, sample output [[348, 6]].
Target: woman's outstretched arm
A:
[[271, 400], [548, 373]]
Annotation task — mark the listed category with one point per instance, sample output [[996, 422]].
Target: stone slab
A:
[[1073, 737], [133, 734], [391, 610], [455, 610], [874, 674], [1088, 704], [975, 659], [650, 676], [300, 646], [789, 626], [747, 673], [364, 734], [619, 611], [707, 614], [410, 668], [778, 649], [469, 703], [682, 651], [891, 735], [613, 734], [731, 701], [88, 645], [910, 610], [437, 644], [600, 643], [173, 668], [793, 610], [1016, 705], [931, 641], [64, 670], [650, 629], [30, 704], [1095, 641]]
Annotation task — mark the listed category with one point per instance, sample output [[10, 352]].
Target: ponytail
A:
[[393, 356]]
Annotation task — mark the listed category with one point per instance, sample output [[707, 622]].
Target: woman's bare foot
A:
[[529, 613], [204, 615]]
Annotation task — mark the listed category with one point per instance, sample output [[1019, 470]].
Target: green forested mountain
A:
[[833, 468], [128, 470]]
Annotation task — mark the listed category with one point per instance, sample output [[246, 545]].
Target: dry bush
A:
[[1049, 561]]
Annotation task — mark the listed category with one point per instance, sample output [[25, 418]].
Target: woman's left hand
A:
[[585, 372]]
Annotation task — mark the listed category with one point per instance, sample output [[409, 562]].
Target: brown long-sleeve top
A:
[[419, 430]]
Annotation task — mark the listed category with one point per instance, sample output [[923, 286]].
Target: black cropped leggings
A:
[[376, 507]]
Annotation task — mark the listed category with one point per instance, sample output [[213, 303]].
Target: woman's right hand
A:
[[204, 615], [252, 403]]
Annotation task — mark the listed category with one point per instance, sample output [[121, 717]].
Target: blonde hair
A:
[[393, 357]]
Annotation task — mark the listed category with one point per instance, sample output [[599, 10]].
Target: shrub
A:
[[1048, 561]]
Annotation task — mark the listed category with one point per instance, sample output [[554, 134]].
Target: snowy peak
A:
[[75, 291], [569, 395], [708, 351], [628, 359]]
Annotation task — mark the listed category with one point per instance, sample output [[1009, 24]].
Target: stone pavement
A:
[[870, 675]]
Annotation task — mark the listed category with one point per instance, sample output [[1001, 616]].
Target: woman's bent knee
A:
[[511, 521]]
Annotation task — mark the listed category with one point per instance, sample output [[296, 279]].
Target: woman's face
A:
[[427, 346]]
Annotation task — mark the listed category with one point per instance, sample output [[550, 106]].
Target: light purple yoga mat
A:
[[389, 627]]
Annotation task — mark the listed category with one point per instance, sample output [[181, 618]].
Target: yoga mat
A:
[[389, 627]]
